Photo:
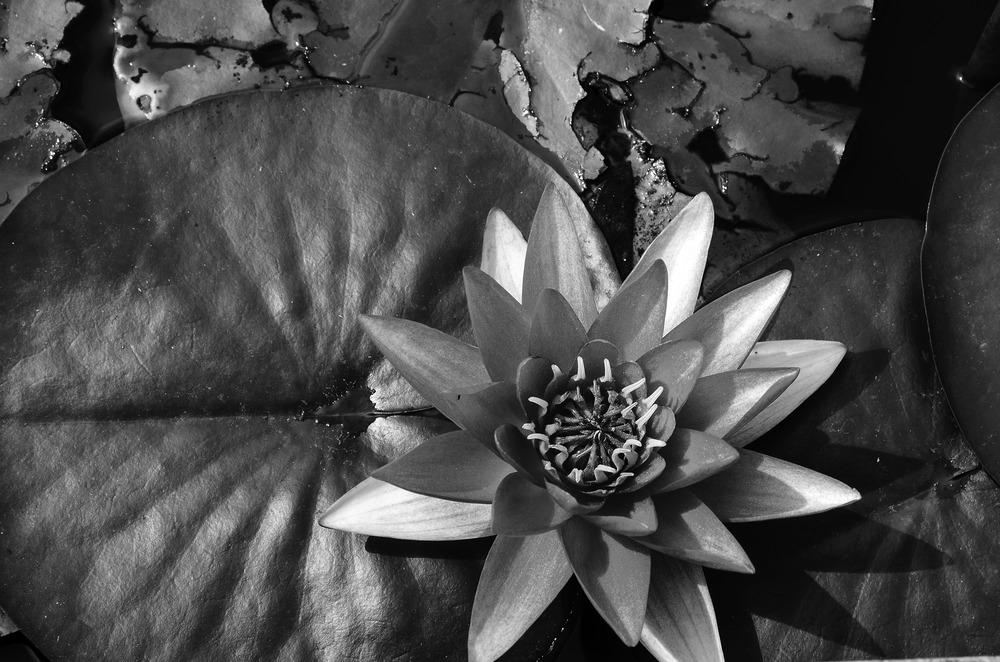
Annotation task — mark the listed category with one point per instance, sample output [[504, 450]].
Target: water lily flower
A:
[[602, 444]]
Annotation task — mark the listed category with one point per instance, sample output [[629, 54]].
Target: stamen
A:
[[576, 475], [619, 456], [581, 373], [653, 396], [559, 447], [556, 372], [607, 371], [652, 442], [530, 427], [552, 428], [633, 443], [604, 469], [645, 417], [631, 387], [542, 404], [630, 408]]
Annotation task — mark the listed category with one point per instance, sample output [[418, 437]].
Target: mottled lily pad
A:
[[163, 336], [961, 263]]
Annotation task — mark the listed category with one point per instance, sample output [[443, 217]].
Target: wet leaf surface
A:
[[164, 334], [961, 269]]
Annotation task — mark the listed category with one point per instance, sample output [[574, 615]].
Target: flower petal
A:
[[376, 508], [556, 332], [722, 403], [571, 503], [522, 575], [683, 247], [645, 475], [632, 320], [499, 323], [533, 375], [520, 453], [692, 456], [433, 362], [627, 514], [614, 573], [593, 355], [759, 487], [554, 259], [680, 620], [504, 248], [675, 366], [729, 326], [816, 361], [483, 410], [521, 508], [690, 531], [452, 466]]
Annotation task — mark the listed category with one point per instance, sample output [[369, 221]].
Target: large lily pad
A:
[[173, 301], [961, 268]]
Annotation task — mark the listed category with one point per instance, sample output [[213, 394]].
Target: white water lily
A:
[[605, 444]]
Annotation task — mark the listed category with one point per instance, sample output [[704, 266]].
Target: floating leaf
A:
[[167, 319]]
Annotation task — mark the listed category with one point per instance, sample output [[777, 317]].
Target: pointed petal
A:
[[722, 403], [683, 247], [555, 260], [675, 366], [483, 410], [451, 466], [729, 326], [521, 508], [433, 362], [522, 575], [680, 620], [633, 318], [520, 453], [614, 573], [504, 248], [649, 472], [759, 487], [376, 508], [533, 375], [690, 531], [692, 456], [556, 332], [499, 323], [816, 361], [627, 514]]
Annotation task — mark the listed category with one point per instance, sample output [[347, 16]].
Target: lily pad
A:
[[163, 335], [961, 262]]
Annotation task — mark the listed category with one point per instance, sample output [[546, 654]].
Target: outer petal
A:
[[452, 466], [521, 577], [759, 487], [680, 620], [683, 247], [614, 573], [692, 456], [522, 508], [722, 403], [816, 361], [629, 515], [688, 530], [554, 259], [483, 410], [375, 508], [504, 248], [519, 452], [499, 323], [729, 326], [556, 333], [632, 319], [675, 366], [433, 362]]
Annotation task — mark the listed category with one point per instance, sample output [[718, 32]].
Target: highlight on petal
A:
[[729, 327], [499, 323], [680, 621], [522, 575], [758, 487], [554, 259], [632, 320], [376, 508], [504, 248], [556, 332], [692, 456], [481, 411], [433, 362], [614, 573], [626, 514], [451, 466], [683, 247], [675, 366], [722, 403], [521, 508], [816, 361], [690, 531]]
